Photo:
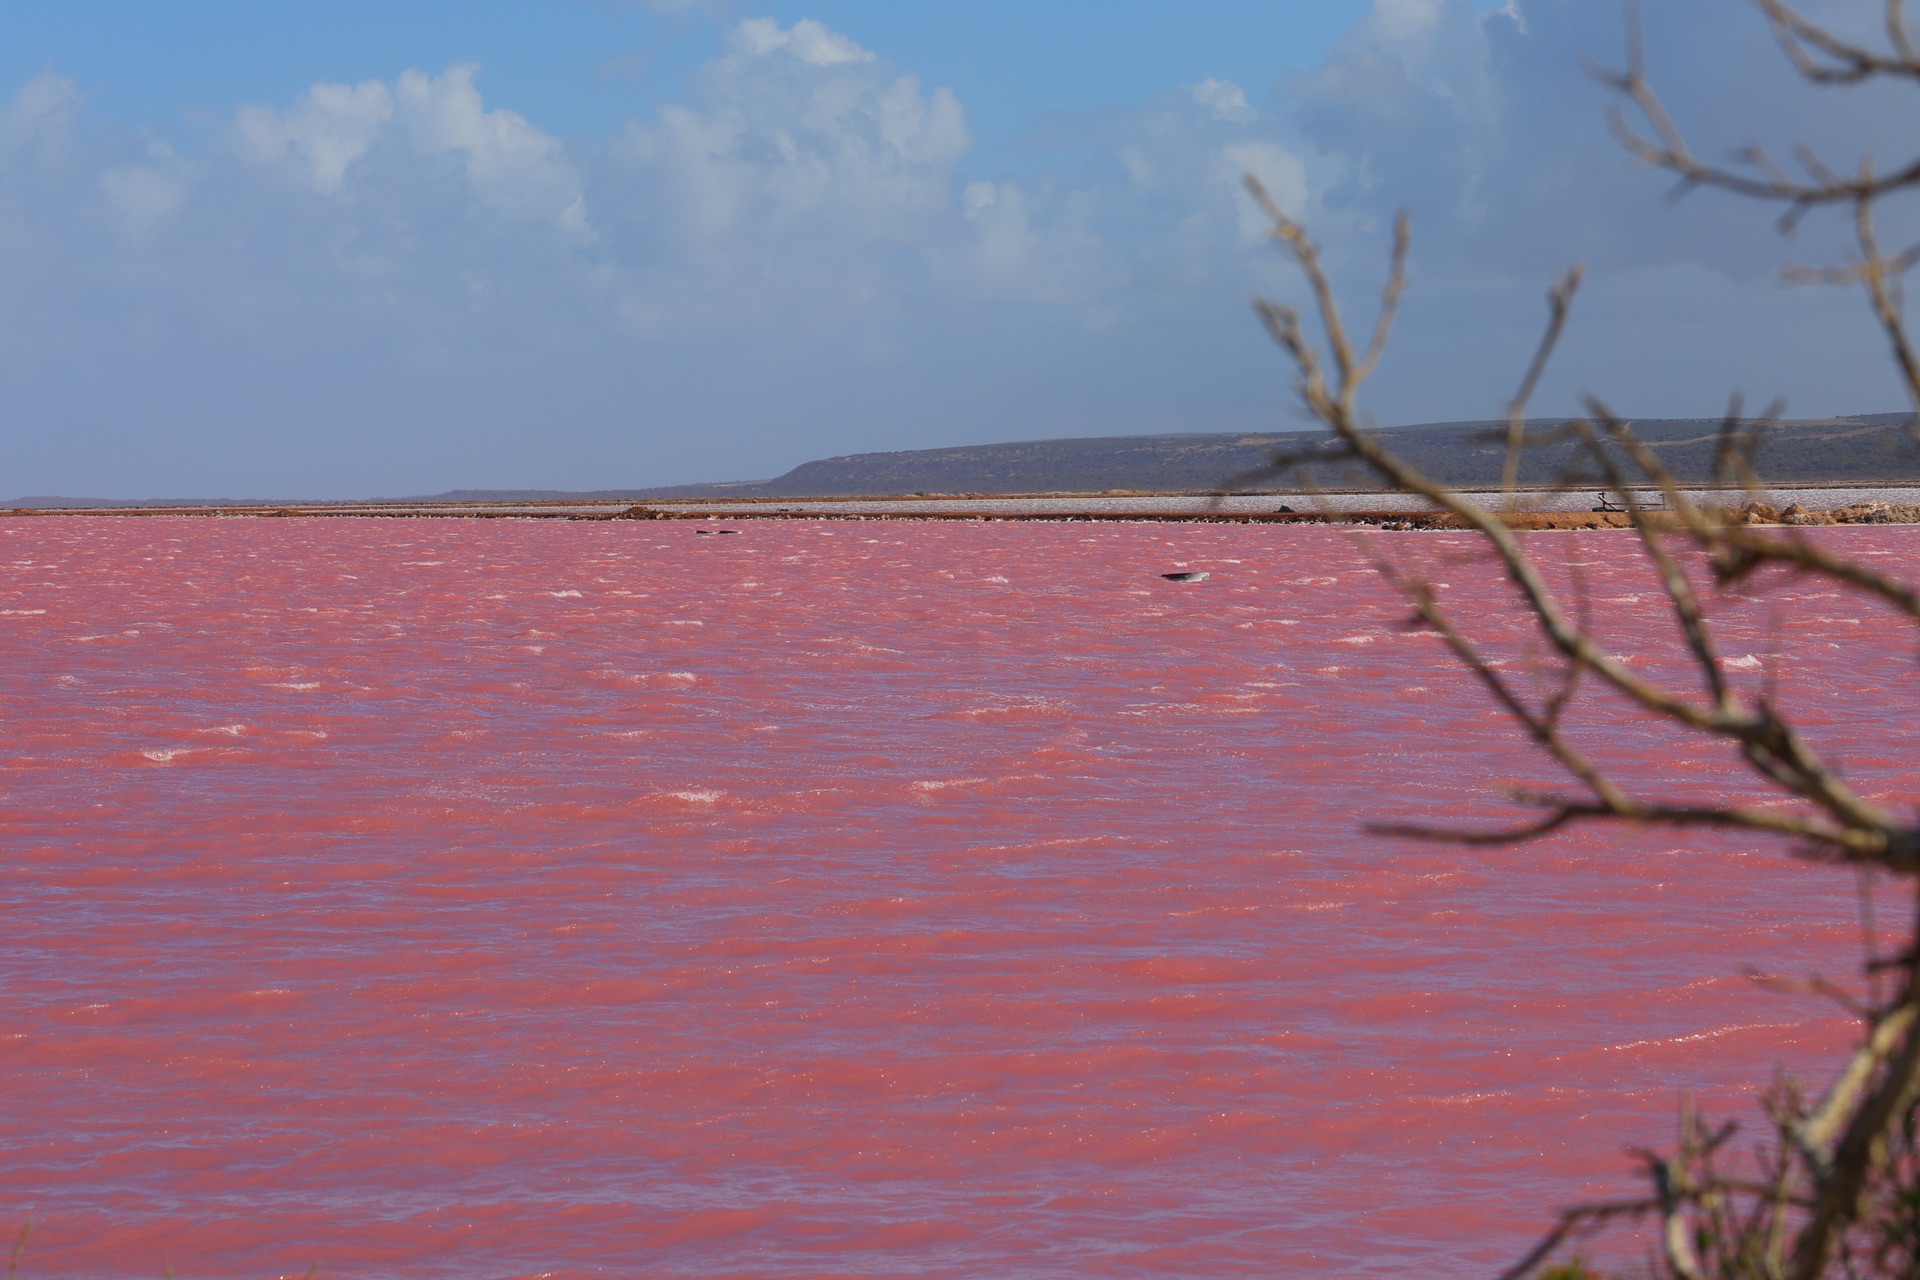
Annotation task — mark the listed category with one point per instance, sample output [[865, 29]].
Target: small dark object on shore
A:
[[1283, 510], [1185, 577]]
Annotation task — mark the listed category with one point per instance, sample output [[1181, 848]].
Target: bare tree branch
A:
[[1882, 281], [1826, 1162], [1562, 811], [1559, 306], [1680, 595], [1664, 146]]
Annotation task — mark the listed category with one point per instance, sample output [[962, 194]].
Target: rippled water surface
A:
[[501, 898]]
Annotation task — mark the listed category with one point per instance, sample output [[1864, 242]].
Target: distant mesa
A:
[[1865, 448]]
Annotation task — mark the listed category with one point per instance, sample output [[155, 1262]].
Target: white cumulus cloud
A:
[[1279, 170], [44, 110], [326, 130], [516, 167], [142, 195], [1225, 100], [806, 40], [513, 166], [800, 126]]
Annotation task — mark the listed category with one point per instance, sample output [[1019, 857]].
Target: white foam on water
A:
[[1697, 1036]]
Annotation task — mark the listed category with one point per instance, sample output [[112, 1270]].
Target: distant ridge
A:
[[1868, 447], [1863, 449]]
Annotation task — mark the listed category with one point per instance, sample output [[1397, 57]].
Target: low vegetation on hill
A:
[[1874, 447]]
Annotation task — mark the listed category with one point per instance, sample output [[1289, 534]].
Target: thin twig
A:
[[1559, 306]]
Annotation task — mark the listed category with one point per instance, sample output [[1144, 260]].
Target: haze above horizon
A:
[[313, 249]]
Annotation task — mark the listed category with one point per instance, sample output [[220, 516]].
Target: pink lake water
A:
[[498, 899]]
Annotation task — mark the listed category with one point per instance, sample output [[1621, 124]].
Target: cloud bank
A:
[[400, 286]]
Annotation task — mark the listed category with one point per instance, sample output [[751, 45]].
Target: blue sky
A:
[[345, 249], [584, 66]]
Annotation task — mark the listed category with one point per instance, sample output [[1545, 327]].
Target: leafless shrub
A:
[[1837, 1189]]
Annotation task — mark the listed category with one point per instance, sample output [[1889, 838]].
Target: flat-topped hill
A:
[[1875, 447]]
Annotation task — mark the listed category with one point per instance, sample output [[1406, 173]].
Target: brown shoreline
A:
[[1392, 519]]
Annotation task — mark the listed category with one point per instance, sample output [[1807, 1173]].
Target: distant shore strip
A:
[[1798, 505]]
